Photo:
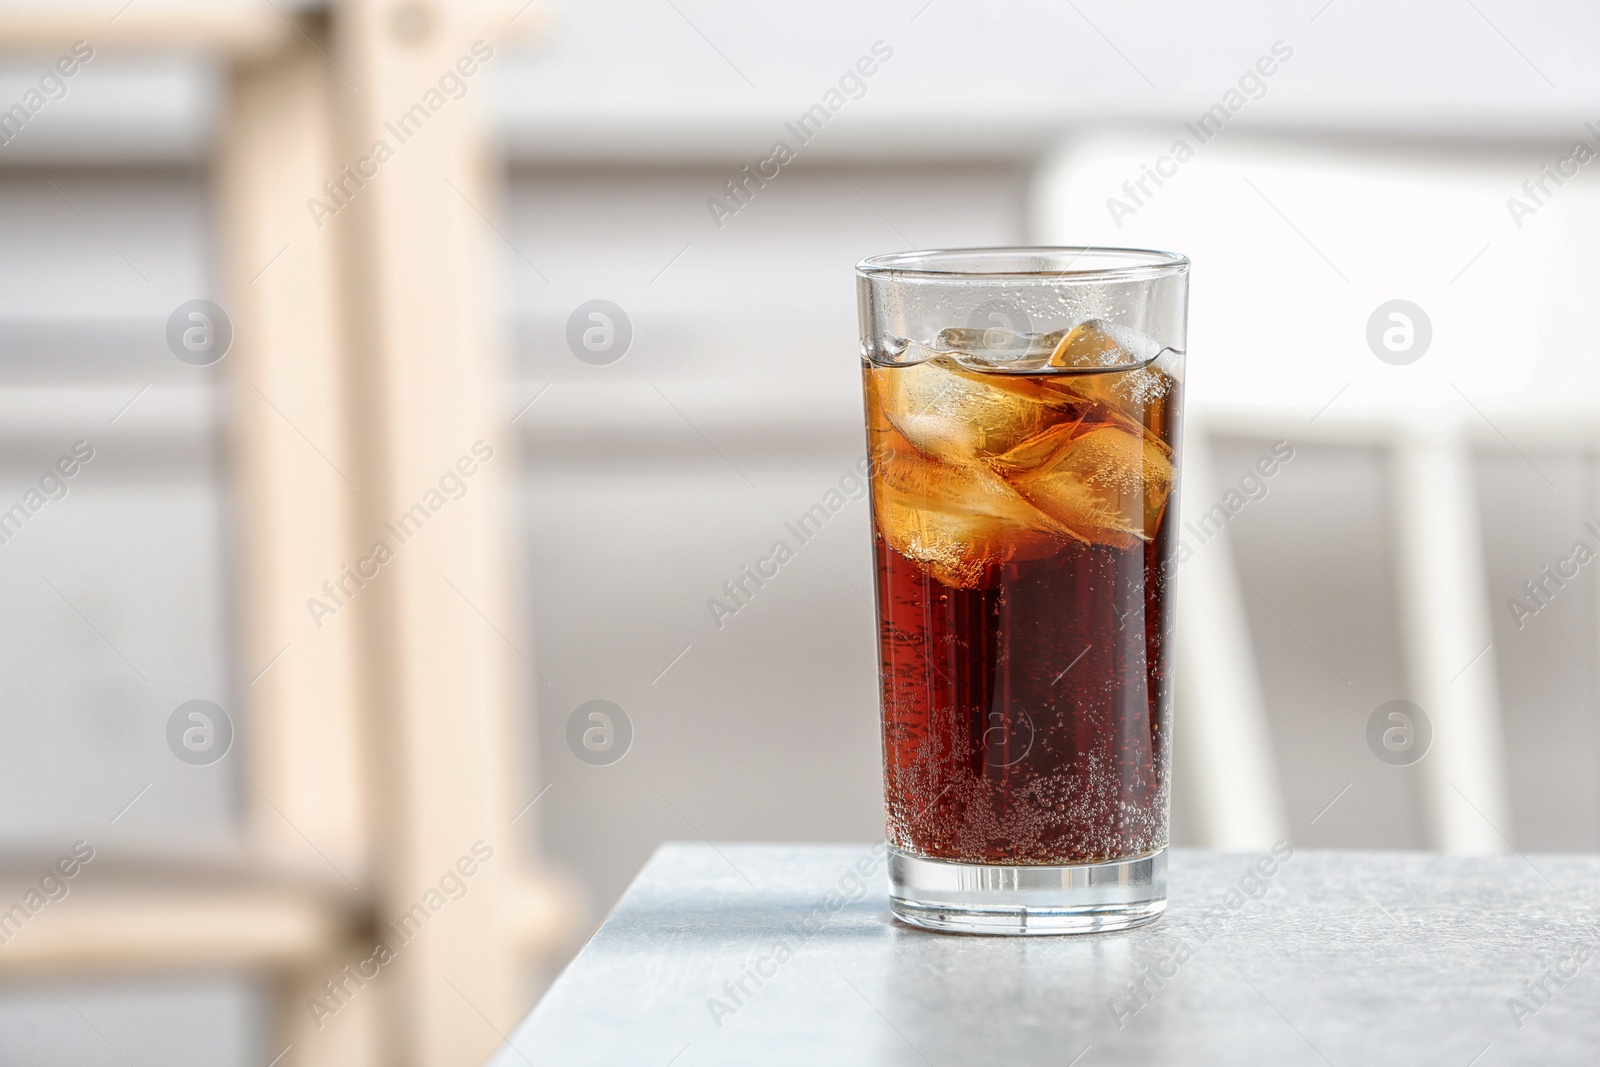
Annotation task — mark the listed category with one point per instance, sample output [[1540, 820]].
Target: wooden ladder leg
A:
[[445, 669], [290, 464]]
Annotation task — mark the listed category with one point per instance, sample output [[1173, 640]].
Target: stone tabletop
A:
[[744, 954]]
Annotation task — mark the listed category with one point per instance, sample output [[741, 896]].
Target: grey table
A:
[[785, 954]]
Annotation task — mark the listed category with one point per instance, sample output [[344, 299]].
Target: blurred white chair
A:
[[1222, 739], [1444, 607], [1294, 251]]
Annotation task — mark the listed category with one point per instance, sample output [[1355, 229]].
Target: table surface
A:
[[785, 954]]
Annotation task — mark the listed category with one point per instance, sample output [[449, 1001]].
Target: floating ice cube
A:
[[1121, 368], [960, 523], [996, 347], [1097, 344], [1106, 482], [957, 415]]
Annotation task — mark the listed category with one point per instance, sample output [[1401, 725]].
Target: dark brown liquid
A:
[[1027, 720]]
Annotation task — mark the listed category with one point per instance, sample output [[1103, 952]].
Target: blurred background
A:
[[574, 346]]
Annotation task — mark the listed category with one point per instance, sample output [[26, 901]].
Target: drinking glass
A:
[[1023, 414]]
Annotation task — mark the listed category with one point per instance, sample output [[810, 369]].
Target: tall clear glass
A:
[[1023, 413]]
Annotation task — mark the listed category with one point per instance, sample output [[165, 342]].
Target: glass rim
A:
[[1105, 263]]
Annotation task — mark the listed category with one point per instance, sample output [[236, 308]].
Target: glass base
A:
[[980, 898]]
